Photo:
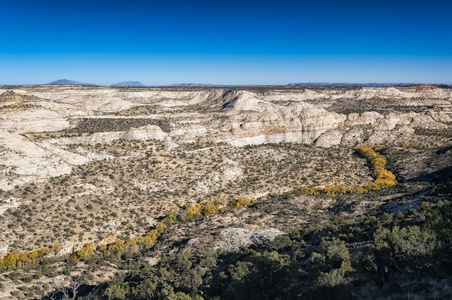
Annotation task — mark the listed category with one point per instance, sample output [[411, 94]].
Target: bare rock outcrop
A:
[[366, 118], [329, 139], [24, 161], [148, 132], [234, 238], [245, 101]]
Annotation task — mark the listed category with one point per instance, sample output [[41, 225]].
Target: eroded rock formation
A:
[[324, 117]]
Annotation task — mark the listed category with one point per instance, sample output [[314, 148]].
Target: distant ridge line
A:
[[206, 85], [349, 84]]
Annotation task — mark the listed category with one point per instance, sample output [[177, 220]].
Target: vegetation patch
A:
[[116, 124]]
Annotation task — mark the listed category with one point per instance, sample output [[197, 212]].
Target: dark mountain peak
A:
[[68, 82]]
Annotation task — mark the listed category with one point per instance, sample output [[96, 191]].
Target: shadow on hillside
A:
[[440, 176], [443, 150]]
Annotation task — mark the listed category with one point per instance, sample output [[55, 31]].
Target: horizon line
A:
[[190, 84]]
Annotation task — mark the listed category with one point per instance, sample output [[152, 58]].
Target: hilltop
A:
[[68, 82]]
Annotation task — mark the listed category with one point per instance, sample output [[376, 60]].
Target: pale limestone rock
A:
[[389, 122], [353, 137], [147, 132], [27, 161], [406, 119], [90, 99], [234, 238], [65, 156], [380, 137], [441, 116], [425, 120], [102, 137], [298, 123], [246, 101], [5, 291], [35, 120], [329, 139], [317, 121], [366, 118], [189, 133], [69, 247]]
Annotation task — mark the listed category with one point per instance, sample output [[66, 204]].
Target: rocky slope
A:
[[385, 115]]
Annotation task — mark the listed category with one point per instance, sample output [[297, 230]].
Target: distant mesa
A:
[[128, 83], [68, 82]]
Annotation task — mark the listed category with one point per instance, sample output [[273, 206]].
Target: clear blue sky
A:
[[225, 42]]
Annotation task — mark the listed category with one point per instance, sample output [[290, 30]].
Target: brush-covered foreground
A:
[[391, 242]]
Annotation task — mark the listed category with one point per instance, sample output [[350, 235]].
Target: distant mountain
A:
[[68, 82], [345, 84], [128, 83]]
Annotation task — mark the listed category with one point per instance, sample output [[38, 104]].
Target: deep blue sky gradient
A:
[[225, 42]]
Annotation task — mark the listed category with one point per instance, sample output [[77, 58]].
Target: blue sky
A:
[[225, 42]]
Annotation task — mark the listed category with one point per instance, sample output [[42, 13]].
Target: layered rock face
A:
[[323, 117]]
